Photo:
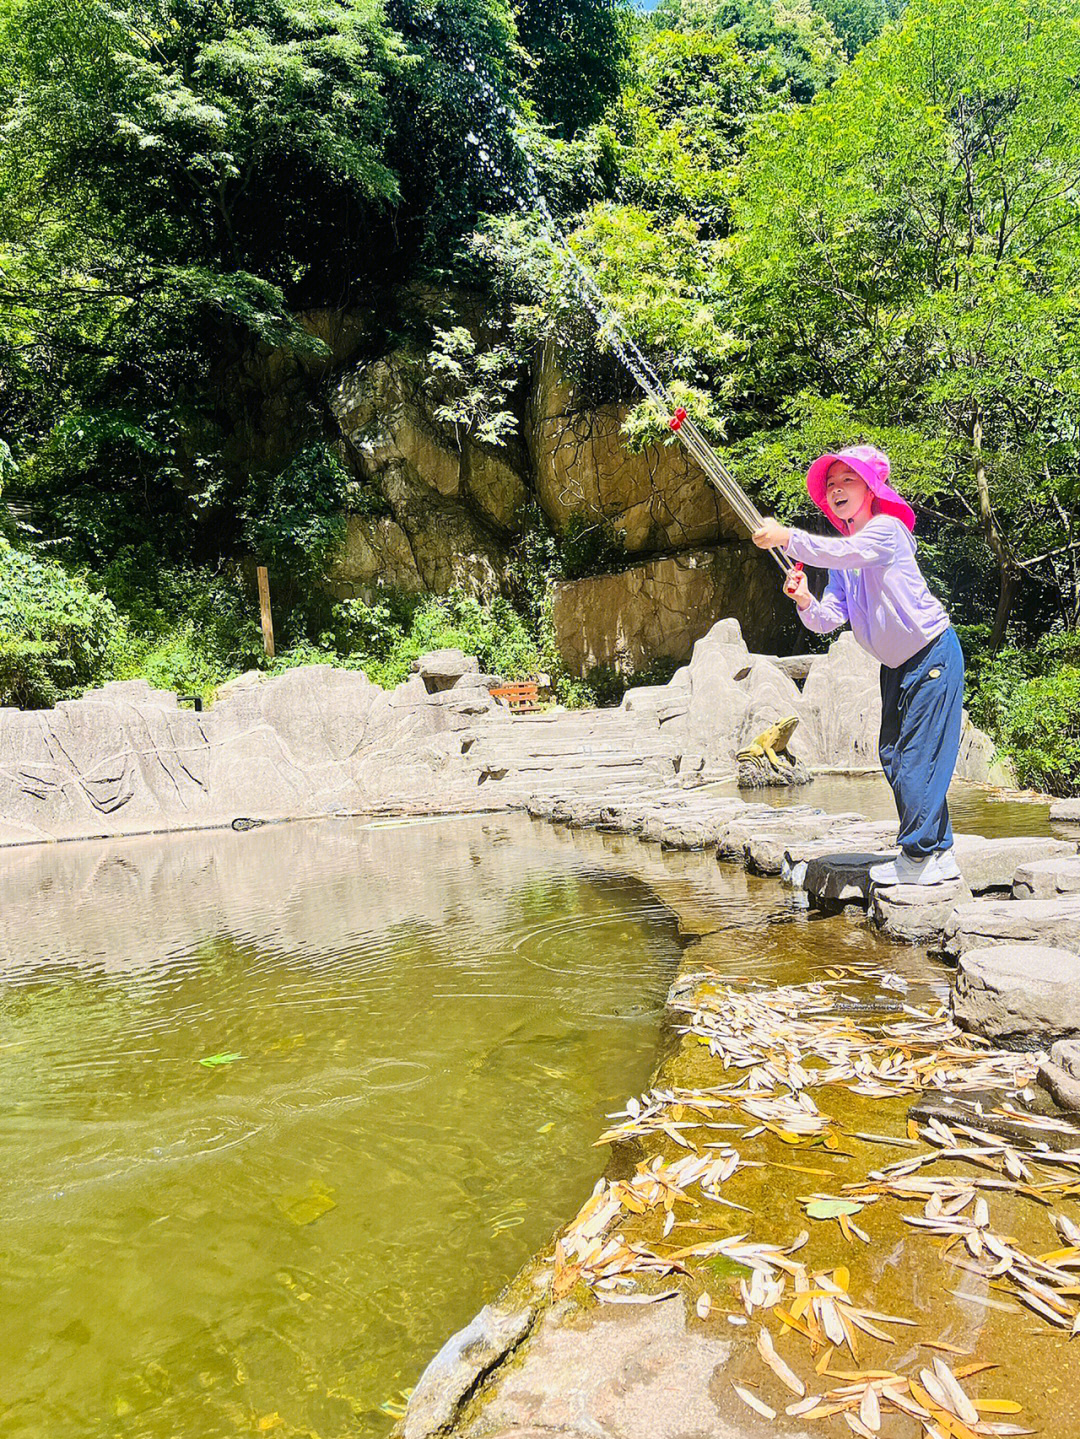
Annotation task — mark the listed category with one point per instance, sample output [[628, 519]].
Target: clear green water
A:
[[973, 810], [432, 1018]]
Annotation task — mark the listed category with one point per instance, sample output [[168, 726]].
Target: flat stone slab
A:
[[799, 822], [691, 829], [1060, 1073], [860, 838], [1054, 922], [843, 877], [1047, 878], [1022, 995], [1067, 811], [916, 913], [633, 1372], [765, 849], [991, 863]]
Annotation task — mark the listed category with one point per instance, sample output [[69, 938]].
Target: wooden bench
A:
[[520, 698]]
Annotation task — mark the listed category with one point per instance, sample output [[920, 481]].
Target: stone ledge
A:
[[1020, 995]]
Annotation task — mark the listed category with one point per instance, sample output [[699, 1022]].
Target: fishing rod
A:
[[679, 422], [611, 325]]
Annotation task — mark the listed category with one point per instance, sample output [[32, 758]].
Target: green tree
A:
[[801, 48], [579, 51], [909, 245]]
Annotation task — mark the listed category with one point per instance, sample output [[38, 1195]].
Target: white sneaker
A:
[[937, 868]]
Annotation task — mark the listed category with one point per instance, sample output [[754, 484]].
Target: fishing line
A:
[[610, 324]]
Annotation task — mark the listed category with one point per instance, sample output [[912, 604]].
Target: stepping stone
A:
[[800, 821], [1065, 811], [858, 838], [1047, 878], [916, 913], [1022, 995], [991, 863], [693, 829], [1054, 922], [1060, 1073], [842, 878], [764, 850]]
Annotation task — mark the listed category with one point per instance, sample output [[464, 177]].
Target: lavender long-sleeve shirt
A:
[[875, 586]]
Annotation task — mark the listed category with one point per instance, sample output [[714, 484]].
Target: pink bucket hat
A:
[[870, 465]]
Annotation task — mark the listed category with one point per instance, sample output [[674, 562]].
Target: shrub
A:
[[1029, 700], [56, 635]]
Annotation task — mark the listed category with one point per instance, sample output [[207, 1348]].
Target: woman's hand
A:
[[772, 535], [796, 588]]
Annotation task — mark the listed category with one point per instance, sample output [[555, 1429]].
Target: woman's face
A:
[[845, 492]]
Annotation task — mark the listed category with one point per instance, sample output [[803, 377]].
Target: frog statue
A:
[[768, 761]]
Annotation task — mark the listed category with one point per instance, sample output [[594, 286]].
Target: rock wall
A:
[[454, 507], [658, 499], [126, 759], [659, 609]]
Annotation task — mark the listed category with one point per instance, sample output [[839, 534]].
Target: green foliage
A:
[[385, 637], [798, 44], [186, 629], [856, 22], [580, 50], [1030, 700], [472, 386], [294, 520], [589, 546], [908, 244], [56, 634]]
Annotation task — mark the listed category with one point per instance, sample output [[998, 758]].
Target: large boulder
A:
[[656, 499], [439, 669], [842, 707], [1021, 995], [374, 554]]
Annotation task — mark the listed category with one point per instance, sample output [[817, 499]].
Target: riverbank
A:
[[749, 1171]]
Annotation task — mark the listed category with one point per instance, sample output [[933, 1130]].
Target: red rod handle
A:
[[675, 424]]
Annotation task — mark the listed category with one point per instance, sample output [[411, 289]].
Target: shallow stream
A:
[[282, 1109]]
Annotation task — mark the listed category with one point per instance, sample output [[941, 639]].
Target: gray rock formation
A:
[[1047, 878], [916, 913], [726, 696], [990, 863], [1060, 1073], [1018, 994], [984, 922]]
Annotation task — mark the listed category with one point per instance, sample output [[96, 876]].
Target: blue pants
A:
[[921, 713]]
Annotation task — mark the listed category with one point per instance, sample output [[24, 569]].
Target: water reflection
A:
[[415, 1032]]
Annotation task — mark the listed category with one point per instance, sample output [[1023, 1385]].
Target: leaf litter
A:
[[787, 1042]]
